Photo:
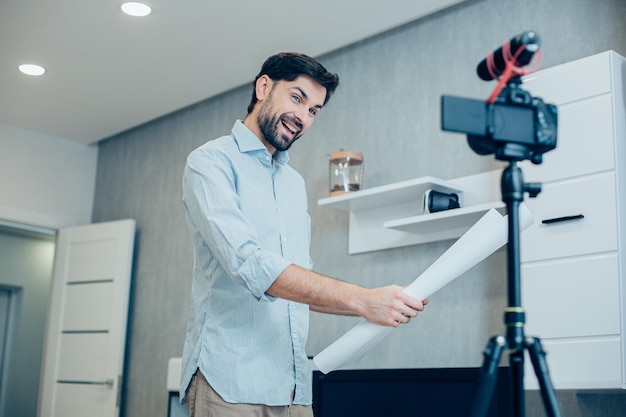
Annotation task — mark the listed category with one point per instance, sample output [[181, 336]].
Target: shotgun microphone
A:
[[493, 66]]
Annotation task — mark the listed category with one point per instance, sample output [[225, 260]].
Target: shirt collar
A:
[[249, 142]]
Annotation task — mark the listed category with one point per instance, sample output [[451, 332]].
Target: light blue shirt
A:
[[248, 217]]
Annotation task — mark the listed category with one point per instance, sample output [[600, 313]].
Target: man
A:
[[252, 284]]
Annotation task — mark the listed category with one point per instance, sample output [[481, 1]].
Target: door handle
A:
[[108, 383]]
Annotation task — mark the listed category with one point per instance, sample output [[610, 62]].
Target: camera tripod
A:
[[513, 189]]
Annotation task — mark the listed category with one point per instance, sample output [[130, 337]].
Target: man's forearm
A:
[[323, 294], [387, 306]]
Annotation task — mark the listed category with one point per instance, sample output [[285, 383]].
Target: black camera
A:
[[515, 126]]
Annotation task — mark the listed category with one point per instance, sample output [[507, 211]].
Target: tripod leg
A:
[[518, 396], [488, 373], [538, 358]]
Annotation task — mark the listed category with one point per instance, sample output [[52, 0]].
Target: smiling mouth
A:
[[291, 125]]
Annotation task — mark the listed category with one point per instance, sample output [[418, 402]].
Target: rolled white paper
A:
[[481, 240]]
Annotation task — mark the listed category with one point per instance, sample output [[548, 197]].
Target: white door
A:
[[86, 335]]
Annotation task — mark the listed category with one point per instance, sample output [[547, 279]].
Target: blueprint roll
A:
[[485, 237]]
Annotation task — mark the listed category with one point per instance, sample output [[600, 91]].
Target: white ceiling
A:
[[108, 72]]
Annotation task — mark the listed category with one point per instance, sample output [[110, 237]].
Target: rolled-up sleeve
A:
[[215, 212]]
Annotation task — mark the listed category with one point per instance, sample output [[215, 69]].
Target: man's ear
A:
[[263, 86]]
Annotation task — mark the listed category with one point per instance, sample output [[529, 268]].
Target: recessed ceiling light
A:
[[135, 8], [32, 69]]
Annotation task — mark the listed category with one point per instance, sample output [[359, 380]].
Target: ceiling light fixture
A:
[[32, 69], [137, 9]]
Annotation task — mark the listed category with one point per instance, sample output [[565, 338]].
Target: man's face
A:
[[288, 110]]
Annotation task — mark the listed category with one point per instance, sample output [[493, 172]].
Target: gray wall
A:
[[388, 108]]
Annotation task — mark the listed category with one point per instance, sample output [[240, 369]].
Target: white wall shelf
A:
[[460, 219], [410, 191], [392, 216]]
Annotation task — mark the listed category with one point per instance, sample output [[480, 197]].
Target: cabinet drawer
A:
[[584, 142], [593, 197], [581, 364], [587, 77], [573, 297]]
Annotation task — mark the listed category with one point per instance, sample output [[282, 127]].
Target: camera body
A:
[[515, 127]]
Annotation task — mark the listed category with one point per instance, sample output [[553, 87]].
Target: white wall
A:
[[44, 180]]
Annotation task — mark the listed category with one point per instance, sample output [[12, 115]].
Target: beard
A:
[[269, 125]]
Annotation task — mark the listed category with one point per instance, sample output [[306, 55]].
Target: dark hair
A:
[[290, 65]]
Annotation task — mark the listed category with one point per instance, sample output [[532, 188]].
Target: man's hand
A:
[[390, 306]]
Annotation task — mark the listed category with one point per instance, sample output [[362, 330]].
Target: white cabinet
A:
[[574, 270]]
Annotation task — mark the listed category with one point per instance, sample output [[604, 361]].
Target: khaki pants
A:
[[203, 401]]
